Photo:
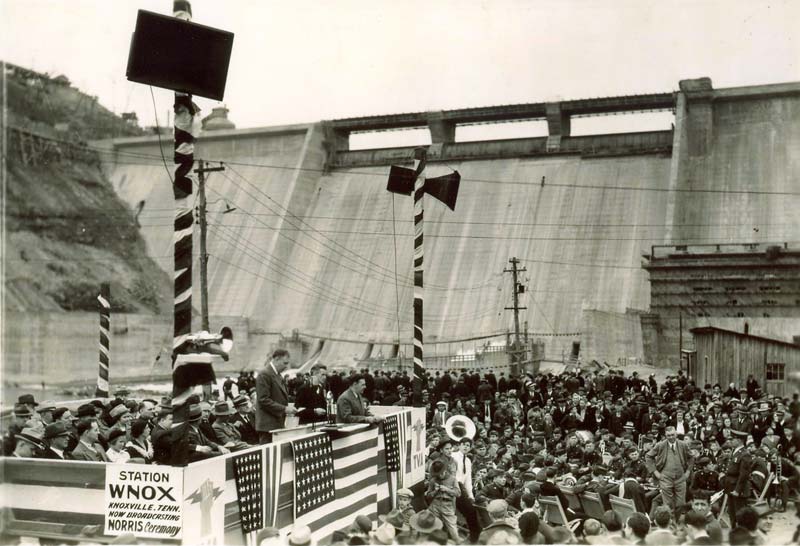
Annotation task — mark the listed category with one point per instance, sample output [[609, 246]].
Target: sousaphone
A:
[[459, 427]]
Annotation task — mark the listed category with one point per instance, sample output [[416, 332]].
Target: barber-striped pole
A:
[[182, 191], [104, 301], [419, 192]]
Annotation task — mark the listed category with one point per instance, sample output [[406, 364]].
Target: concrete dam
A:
[[310, 247]]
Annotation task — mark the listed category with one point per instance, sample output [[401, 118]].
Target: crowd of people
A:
[[671, 448]]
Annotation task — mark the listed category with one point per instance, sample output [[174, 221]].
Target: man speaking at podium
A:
[[272, 396], [352, 407], [311, 397]]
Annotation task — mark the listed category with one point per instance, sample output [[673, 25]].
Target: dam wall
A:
[[317, 244]]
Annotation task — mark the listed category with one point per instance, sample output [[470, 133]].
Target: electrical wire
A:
[[158, 132]]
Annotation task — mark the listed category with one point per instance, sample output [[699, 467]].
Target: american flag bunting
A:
[[313, 473]]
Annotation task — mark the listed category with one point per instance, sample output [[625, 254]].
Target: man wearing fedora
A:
[[21, 415], [29, 443], [29, 401], [57, 437], [226, 432], [88, 449], [244, 420], [272, 396], [423, 524], [193, 445]]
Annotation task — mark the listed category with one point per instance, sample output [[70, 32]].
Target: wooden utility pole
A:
[[201, 218], [519, 288]]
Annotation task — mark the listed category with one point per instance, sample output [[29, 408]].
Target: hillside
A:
[[67, 231]]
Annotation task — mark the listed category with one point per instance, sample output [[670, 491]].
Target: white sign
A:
[[205, 497], [417, 432], [144, 500]]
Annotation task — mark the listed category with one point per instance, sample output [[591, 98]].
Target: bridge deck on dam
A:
[[578, 211]]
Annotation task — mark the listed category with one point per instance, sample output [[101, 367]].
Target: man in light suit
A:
[[272, 396], [351, 406], [671, 462]]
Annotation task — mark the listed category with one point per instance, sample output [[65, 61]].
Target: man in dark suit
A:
[[272, 396], [193, 445], [742, 422], [244, 420], [88, 449], [671, 462], [57, 437], [736, 481], [351, 406], [311, 396], [161, 437]]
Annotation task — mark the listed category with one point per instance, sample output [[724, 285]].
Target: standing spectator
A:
[[442, 492], [311, 396], [272, 396], [441, 415], [671, 462], [737, 477]]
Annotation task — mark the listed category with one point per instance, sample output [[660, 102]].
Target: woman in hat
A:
[[139, 446]]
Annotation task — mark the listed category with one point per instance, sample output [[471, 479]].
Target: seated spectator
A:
[[88, 448], [662, 534], [161, 438], [227, 434], [613, 525], [56, 435], [637, 527], [116, 447], [498, 510], [696, 529], [29, 443], [139, 446]]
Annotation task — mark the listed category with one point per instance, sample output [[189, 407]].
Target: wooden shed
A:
[[724, 356]]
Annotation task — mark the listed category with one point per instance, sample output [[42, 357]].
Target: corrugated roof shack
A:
[[725, 356]]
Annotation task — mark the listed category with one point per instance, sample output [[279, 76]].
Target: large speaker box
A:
[[179, 55]]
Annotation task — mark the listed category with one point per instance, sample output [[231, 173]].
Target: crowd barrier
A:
[[202, 502]]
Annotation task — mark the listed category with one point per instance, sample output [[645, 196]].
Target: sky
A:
[[309, 60]]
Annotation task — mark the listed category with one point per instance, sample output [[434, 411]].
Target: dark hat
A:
[[240, 400], [59, 428], [165, 403], [223, 408], [194, 413], [86, 410], [27, 399], [116, 433], [425, 521], [21, 410]]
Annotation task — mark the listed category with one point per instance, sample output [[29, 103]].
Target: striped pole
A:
[[185, 131], [419, 269], [104, 301]]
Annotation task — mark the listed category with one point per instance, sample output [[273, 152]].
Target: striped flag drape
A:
[[104, 301]]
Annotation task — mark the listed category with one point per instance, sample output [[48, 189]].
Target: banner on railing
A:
[[144, 500]]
